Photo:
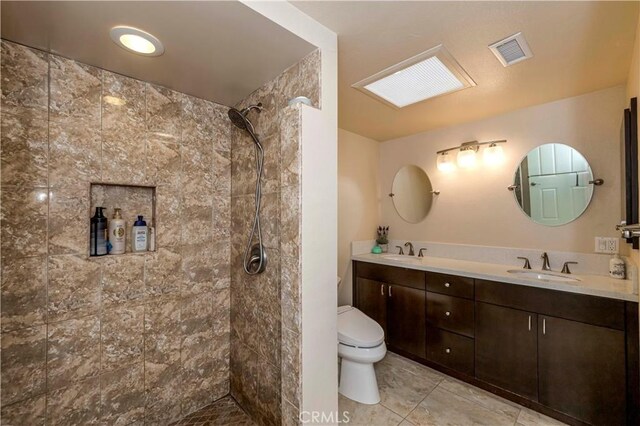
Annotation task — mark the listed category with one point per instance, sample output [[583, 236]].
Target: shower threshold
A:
[[225, 411]]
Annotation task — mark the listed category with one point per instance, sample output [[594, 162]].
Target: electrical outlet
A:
[[607, 245]]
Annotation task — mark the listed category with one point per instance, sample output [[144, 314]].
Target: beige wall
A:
[[633, 80], [474, 206], [358, 203]]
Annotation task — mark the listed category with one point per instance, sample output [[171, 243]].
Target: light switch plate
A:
[[607, 245]]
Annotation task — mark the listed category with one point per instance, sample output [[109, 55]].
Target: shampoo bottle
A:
[[117, 233], [140, 235], [98, 232]]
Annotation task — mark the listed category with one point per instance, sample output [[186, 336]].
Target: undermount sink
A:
[[399, 257], [542, 275]]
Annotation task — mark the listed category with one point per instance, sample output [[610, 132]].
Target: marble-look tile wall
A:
[[125, 339], [265, 311]]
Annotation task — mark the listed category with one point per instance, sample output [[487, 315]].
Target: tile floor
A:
[[225, 411], [412, 394]]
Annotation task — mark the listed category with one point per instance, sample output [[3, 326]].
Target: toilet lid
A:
[[357, 329]]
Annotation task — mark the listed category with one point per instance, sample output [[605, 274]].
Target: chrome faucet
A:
[[411, 252], [545, 262], [565, 267], [527, 265]]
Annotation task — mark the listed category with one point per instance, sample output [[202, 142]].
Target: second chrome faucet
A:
[[546, 266], [545, 262]]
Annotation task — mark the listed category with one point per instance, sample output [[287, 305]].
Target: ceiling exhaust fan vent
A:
[[511, 50]]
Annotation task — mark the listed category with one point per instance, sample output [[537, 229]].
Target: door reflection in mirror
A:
[[552, 184]]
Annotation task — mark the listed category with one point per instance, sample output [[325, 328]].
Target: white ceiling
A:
[[221, 51], [578, 47]]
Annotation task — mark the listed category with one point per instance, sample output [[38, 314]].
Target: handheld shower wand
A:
[[255, 256]]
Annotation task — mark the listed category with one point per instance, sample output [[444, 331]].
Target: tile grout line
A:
[[46, 336], [477, 403]]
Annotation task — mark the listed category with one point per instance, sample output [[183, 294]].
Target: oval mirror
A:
[[553, 184], [412, 193]]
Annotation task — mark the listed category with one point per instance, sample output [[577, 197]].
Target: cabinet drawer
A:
[[450, 313], [577, 307], [450, 284], [391, 275], [450, 350]]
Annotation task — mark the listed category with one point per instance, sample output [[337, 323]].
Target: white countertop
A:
[[594, 285]]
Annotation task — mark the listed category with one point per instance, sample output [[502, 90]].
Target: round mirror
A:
[[412, 193], [553, 184]]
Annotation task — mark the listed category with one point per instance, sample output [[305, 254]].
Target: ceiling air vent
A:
[[511, 50]]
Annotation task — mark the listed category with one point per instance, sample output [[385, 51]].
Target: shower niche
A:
[[133, 201]]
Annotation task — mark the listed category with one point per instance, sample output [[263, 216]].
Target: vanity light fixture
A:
[[467, 155], [445, 163], [427, 75], [493, 155], [136, 41]]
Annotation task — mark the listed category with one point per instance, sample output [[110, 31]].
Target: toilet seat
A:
[[358, 330]]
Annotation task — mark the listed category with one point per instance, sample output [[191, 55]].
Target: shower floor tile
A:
[[225, 411]]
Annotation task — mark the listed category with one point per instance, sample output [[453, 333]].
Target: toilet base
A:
[[358, 382]]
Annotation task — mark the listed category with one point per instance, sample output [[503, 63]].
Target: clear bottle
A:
[[117, 233], [140, 234]]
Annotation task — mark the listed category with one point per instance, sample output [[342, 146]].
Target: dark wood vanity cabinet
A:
[[570, 356], [405, 319], [581, 370], [372, 300], [507, 349], [397, 302], [450, 322]]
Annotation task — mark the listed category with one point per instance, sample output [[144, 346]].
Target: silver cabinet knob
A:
[[447, 285], [448, 313], [448, 350]]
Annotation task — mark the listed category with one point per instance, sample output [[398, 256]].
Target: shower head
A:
[[239, 118]]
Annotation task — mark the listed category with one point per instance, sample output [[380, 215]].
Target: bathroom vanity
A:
[[570, 352]]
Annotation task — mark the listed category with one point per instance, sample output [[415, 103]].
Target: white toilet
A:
[[360, 344]]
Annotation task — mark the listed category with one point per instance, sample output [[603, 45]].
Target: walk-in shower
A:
[[255, 256]]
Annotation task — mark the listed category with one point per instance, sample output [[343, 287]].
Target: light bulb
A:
[[493, 155], [445, 163], [467, 158], [137, 43], [136, 40]]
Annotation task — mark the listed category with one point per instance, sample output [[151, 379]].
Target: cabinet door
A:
[[406, 318], [372, 300], [506, 349], [581, 370]]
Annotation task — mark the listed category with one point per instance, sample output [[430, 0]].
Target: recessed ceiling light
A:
[[427, 75], [136, 41]]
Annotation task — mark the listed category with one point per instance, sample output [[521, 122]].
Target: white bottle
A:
[[117, 233], [617, 267], [140, 234]]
